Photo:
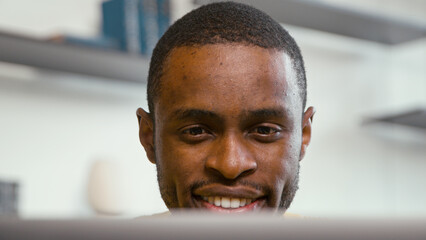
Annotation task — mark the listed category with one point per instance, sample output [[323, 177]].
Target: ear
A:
[[308, 117], [146, 133]]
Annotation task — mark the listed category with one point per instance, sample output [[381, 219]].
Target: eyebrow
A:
[[185, 114], [193, 113], [266, 113]]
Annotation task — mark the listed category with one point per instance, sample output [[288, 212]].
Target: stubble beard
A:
[[169, 194], [289, 193]]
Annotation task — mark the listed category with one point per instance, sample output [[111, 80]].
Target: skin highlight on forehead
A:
[[225, 69]]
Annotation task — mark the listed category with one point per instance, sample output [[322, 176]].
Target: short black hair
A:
[[223, 22]]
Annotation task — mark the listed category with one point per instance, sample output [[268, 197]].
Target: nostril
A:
[[231, 169], [231, 157], [247, 172]]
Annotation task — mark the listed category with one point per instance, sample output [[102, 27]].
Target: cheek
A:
[[293, 152], [279, 162], [184, 163]]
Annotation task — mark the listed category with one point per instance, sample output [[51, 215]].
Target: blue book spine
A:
[[148, 25], [131, 14], [113, 22], [163, 16], [121, 22]]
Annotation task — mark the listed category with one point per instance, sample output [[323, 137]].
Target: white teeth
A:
[[217, 201], [235, 202], [242, 202], [227, 202]]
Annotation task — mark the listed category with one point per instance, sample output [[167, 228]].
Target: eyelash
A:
[[201, 133], [274, 133], [272, 130], [195, 134], [188, 130]]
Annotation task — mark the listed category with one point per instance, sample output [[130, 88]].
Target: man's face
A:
[[229, 129]]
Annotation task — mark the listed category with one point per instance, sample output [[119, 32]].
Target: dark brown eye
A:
[[195, 131], [195, 134], [265, 130]]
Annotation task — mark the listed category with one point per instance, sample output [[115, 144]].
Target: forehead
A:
[[227, 78]]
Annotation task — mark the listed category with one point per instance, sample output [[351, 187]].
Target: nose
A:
[[232, 158]]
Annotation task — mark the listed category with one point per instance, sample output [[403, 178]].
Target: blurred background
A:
[[69, 90]]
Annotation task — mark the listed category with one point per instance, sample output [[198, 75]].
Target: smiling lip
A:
[[225, 199]]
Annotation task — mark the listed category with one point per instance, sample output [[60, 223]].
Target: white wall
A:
[[54, 126], [356, 170], [46, 17]]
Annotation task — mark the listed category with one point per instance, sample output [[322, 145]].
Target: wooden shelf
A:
[[73, 59]]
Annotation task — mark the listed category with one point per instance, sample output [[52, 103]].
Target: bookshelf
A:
[[109, 64]]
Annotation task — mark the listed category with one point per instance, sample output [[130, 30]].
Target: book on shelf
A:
[[8, 198], [120, 22], [132, 26], [136, 24], [163, 11], [148, 25]]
